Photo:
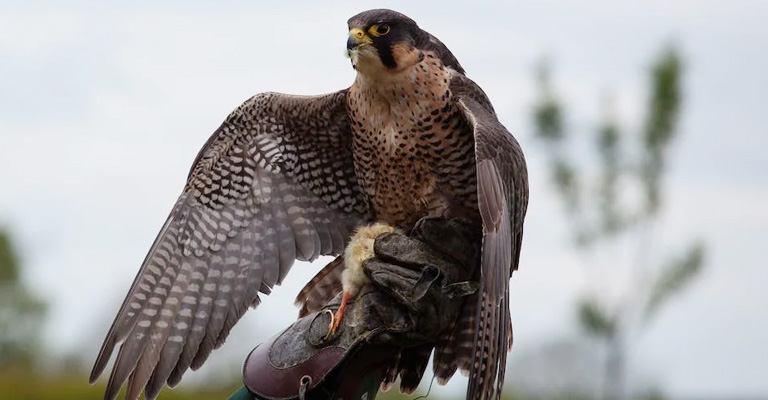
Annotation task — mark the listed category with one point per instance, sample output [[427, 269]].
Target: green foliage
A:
[[603, 213], [20, 320], [611, 216], [548, 119], [608, 144], [548, 113], [675, 275], [660, 125], [595, 320], [9, 271], [599, 208], [549, 128], [566, 181], [664, 102], [21, 313], [74, 386]]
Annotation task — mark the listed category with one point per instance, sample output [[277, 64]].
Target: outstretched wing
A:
[[273, 184], [502, 188]]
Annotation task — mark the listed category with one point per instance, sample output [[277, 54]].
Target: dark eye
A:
[[379, 30]]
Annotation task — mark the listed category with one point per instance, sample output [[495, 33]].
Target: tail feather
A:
[[322, 288]]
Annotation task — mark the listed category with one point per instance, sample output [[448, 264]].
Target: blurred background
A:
[[644, 125]]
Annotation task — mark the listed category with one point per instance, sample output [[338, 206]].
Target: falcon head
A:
[[383, 42]]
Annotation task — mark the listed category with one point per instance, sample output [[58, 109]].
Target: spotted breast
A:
[[413, 150]]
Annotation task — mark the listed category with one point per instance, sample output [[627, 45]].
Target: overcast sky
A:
[[103, 108]]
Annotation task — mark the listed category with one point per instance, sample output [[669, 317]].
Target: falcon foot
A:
[[336, 318]]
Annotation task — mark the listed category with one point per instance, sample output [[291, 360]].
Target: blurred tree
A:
[[621, 196], [21, 313]]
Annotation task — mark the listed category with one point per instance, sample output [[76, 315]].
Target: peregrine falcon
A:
[[290, 177]]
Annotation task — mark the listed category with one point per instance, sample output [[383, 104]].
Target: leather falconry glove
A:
[[419, 283]]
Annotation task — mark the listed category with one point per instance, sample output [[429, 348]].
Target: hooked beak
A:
[[353, 43]]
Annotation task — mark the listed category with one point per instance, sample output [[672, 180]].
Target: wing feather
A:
[[273, 184], [502, 188]]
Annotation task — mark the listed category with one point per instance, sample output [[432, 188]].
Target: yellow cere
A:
[[360, 35]]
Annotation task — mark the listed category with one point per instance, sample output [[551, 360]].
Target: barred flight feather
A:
[[253, 203]]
